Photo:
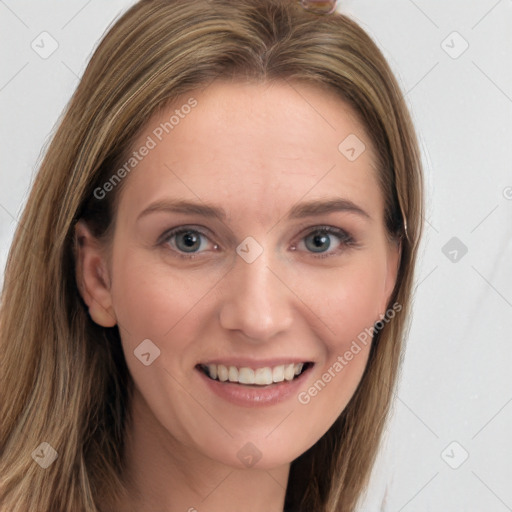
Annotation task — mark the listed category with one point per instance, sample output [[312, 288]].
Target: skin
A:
[[255, 150]]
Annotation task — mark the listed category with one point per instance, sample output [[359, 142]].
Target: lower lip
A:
[[255, 396]]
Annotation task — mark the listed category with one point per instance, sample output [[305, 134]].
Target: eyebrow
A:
[[298, 211]]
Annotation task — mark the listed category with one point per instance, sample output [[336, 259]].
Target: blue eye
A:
[[185, 240], [321, 242], [188, 241]]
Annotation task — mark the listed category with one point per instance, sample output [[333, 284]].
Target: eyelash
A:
[[345, 239]]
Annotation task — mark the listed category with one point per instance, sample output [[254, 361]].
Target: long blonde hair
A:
[[64, 379]]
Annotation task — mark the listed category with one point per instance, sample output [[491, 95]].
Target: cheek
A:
[[346, 300], [152, 300]]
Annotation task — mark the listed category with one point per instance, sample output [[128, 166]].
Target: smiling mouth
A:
[[255, 377]]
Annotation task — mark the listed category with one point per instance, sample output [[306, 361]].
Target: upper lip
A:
[[241, 362]]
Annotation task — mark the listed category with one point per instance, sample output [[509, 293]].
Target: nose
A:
[[256, 300]]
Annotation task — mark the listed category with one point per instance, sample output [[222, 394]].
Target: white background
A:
[[456, 382]]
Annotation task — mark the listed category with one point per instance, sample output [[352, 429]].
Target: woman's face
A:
[[219, 260]]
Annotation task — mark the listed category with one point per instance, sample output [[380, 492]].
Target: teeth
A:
[[233, 374], [278, 373], [212, 370], [222, 372], [289, 372], [246, 376], [263, 376], [259, 376]]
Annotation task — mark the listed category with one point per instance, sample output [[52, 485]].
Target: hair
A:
[[64, 379]]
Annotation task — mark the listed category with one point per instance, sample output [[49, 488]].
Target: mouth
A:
[[255, 377]]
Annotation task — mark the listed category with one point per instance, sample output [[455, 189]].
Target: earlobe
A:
[[92, 276]]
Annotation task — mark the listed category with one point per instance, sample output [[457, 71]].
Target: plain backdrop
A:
[[448, 446]]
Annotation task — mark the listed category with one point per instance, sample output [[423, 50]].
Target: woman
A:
[[211, 282]]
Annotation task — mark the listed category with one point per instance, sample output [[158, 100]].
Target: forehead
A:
[[245, 145]]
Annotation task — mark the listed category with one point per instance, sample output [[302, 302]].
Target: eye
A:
[[325, 241], [186, 241]]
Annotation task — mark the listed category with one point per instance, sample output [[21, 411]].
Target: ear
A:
[[92, 276], [394, 254]]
